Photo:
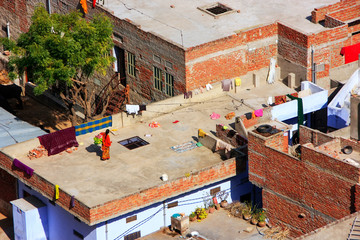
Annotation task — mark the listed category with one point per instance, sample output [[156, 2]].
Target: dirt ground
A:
[[37, 114]]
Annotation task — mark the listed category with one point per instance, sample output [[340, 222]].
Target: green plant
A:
[[261, 215], [201, 213], [192, 214], [248, 209]]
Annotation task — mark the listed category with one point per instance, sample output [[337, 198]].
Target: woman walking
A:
[[106, 143]]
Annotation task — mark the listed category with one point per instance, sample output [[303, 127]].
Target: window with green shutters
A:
[[157, 78], [169, 84], [131, 64]]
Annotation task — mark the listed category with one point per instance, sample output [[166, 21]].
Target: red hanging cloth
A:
[[351, 53], [94, 2]]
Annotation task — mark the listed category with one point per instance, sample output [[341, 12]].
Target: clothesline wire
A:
[[4, 127]]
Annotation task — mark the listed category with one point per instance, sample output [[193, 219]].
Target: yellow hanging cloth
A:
[[84, 5], [237, 82], [56, 192]]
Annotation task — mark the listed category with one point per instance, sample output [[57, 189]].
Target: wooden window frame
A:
[[169, 84], [157, 75], [131, 64]]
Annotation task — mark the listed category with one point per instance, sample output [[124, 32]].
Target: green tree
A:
[[64, 50]]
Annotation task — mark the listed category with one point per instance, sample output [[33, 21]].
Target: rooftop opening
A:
[[134, 142], [216, 9]]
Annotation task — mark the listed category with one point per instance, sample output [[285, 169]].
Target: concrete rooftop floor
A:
[[188, 26], [219, 225], [95, 182]]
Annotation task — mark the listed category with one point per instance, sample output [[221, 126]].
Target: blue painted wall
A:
[[149, 219]]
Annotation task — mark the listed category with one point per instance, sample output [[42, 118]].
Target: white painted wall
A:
[[339, 107]]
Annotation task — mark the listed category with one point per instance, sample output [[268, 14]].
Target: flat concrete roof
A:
[[181, 22], [95, 182]]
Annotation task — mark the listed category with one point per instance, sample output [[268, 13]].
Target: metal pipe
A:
[[164, 213], [49, 6], [8, 29]]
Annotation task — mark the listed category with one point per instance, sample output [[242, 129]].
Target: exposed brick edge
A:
[[328, 225], [155, 194], [46, 188]]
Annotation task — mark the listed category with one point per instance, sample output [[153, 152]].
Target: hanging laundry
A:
[[248, 115], [28, 170], [57, 192], [209, 87], [142, 107], [196, 91], [226, 85], [230, 115], [201, 89], [271, 75], [93, 3], [300, 111], [95, 125], [280, 99], [237, 82], [351, 53], [132, 109], [188, 95], [214, 116], [258, 113], [270, 100], [72, 201], [84, 6], [59, 141], [201, 133]]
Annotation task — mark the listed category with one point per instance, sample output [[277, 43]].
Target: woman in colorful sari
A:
[[106, 143]]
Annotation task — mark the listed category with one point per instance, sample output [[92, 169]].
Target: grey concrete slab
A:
[[94, 182], [181, 22]]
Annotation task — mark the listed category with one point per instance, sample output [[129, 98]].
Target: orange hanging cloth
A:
[[84, 5]]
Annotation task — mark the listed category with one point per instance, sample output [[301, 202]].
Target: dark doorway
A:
[[120, 64]]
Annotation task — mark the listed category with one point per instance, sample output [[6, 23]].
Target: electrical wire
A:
[[154, 214]]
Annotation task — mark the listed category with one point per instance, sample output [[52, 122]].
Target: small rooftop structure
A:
[[13, 130], [189, 24]]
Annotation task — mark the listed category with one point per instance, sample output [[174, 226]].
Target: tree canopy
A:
[[63, 49]]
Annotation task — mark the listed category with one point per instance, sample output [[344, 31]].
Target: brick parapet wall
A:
[[308, 135], [318, 14], [331, 22], [178, 186], [317, 185], [327, 162], [345, 14], [109, 210]]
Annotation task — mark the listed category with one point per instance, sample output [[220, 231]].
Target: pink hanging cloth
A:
[[214, 116]]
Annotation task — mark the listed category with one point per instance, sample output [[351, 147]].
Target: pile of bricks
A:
[[37, 152]]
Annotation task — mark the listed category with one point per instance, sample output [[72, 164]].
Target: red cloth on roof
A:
[[351, 53], [59, 141], [94, 3]]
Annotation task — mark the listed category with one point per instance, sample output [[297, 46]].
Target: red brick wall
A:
[[318, 185], [319, 13], [126, 204], [331, 22], [236, 140], [308, 135], [238, 61], [346, 14]]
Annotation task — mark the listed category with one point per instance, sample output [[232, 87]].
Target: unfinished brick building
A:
[[310, 189], [164, 50]]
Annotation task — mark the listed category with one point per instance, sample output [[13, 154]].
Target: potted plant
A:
[[201, 214], [192, 216], [211, 207], [254, 218], [222, 195], [246, 211], [261, 218]]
